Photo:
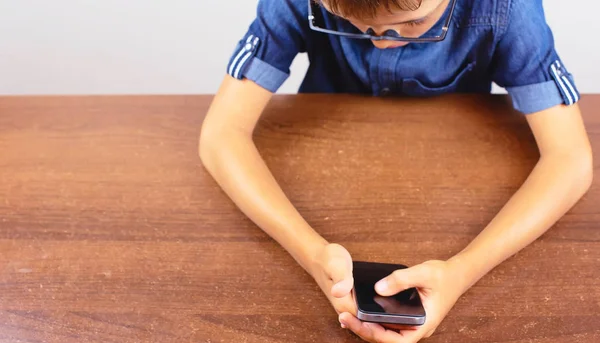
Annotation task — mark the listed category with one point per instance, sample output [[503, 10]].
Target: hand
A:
[[439, 289], [334, 275]]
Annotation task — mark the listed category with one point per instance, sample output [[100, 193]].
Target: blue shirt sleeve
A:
[[273, 40], [526, 62]]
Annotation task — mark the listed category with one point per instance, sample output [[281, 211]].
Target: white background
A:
[[182, 46]]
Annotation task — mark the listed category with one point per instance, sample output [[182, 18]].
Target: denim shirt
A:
[[504, 41]]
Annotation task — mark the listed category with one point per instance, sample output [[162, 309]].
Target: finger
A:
[[370, 332], [383, 335], [400, 327], [412, 336], [359, 328], [340, 272], [416, 334], [352, 323], [344, 304], [342, 288], [403, 279]]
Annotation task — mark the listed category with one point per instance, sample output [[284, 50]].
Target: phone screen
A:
[[366, 274]]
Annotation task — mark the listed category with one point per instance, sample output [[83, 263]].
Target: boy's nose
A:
[[388, 44]]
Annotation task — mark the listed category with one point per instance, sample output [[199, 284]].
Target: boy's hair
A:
[[368, 8]]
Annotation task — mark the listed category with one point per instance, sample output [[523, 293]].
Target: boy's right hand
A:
[[333, 273]]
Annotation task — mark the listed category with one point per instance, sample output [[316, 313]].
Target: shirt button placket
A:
[[387, 62]]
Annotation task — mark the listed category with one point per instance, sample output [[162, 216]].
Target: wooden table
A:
[[111, 230]]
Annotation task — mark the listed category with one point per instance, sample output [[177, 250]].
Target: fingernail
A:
[[344, 326], [381, 286]]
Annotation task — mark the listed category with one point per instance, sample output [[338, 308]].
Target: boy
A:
[[402, 47]]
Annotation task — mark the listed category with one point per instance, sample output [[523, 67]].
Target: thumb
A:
[[340, 272], [403, 279]]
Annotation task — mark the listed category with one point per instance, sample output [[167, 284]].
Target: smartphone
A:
[[403, 308]]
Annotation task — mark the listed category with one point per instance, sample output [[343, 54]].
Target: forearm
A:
[[553, 187], [238, 168]]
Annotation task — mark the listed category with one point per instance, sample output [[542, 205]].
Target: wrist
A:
[[466, 269], [308, 254]]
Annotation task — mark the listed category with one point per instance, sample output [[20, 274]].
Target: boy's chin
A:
[[387, 44]]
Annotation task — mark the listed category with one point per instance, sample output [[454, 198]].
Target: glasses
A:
[[317, 23]]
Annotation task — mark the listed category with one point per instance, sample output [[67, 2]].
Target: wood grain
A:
[[111, 230]]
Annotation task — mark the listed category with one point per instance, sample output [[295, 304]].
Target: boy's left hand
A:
[[439, 287]]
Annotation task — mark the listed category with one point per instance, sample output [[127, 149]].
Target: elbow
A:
[[216, 143], [575, 169], [583, 167], [208, 146], [588, 172]]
